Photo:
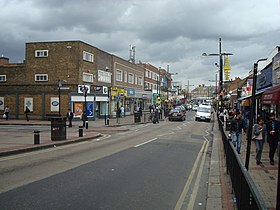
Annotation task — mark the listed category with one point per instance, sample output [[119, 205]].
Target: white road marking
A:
[[146, 142], [164, 134]]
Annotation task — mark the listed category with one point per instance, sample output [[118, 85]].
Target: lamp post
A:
[[221, 67], [252, 114], [59, 86], [85, 90]]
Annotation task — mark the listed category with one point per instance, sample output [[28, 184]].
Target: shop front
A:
[[118, 99], [143, 99]]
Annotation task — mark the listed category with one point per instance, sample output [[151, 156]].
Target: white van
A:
[[204, 112]]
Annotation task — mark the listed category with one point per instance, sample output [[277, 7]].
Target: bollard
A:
[[86, 124], [107, 120], [80, 131], [36, 137]]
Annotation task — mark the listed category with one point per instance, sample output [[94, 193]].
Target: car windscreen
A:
[[204, 109]]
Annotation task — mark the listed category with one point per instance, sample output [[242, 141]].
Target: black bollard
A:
[[80, 131], [36, 137], [86, 124]]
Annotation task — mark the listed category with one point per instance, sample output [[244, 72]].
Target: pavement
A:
[[219, 186]]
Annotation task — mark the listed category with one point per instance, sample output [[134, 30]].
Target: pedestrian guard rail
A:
[[247, 196]]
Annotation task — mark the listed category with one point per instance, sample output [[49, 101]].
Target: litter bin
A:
[[137, 117], [58, 128]]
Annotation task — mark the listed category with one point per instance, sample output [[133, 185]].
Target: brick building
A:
[[56, 72]]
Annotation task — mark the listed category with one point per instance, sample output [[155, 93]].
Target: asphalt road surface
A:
[[153, 166]]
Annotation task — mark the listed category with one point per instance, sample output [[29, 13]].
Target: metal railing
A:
[[247, 196]]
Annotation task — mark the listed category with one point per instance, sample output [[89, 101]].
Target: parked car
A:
[[194, 107], [203, 112], [177, 113]]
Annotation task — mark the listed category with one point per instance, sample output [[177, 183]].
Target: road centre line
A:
[[189, 181], [146, 142]]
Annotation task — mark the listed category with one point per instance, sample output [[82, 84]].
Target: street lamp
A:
[[252, 114], [221, 66], [85, 90], [59, 86]]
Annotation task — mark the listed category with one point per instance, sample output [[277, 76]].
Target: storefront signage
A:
[[54, 104], [276, 61], [1, 103], [130, 92], [81, 88], [105, 90], [265, 78]]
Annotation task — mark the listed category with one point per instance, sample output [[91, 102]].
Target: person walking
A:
[[7, 112], [259, 131], [70, 116], [122, 111], [26, 112], [237, 125], [84, 118], [273, 131]]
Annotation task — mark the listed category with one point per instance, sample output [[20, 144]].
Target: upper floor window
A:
[[136, 80], [41, 77], [119, 75], [130, 78], [125, 76], [41, 53], [140, 80], [104, 76], [3, 78], [87, 77], [88, 56], [147, 73]]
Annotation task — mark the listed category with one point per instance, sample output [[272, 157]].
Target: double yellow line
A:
[[199, 160]]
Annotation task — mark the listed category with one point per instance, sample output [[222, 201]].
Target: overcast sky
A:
[[164, 32]]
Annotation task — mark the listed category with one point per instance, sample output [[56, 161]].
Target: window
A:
[[3, 78], [130, 78], [41, 77], [41, 53], [88, 56], [147, 73], [104, 76], [125, 77], [119, 75], [87, 77], [136, 80], [140, 80]]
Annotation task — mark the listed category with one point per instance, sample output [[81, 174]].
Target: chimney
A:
[[4, 60]]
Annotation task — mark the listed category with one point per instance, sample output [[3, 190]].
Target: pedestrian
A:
[[122, 111], [70, 116], [7, 112], [157, 113], [259, 131], [237, 125], [273, 131], [84, 118], [26, 112]]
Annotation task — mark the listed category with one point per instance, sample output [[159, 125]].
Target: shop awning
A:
[[271, 96]]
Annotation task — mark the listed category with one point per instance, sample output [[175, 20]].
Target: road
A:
[[152, 166]]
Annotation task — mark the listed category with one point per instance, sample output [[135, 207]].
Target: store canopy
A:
[[271, 96]]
